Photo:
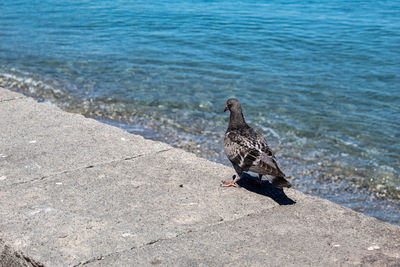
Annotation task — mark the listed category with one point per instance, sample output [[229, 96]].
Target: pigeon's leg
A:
[[259, 179], [239, 171], [258, 182], [233, 183]]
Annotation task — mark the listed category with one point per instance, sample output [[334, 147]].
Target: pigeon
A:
[[248, 150]]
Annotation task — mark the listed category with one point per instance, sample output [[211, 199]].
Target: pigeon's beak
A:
[[226, 108]]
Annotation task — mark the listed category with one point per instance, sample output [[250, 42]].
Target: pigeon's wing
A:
[[249, 150]]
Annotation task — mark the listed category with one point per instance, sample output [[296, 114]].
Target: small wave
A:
[[271, 131], [32, 86]]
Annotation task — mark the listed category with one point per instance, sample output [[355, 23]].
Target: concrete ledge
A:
[[76, 192]]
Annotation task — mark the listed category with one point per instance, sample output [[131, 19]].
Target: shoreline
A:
[[79, 192]]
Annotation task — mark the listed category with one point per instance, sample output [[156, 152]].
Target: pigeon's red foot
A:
[[228, 184]]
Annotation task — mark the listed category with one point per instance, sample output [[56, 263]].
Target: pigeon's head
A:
[[233, 105]]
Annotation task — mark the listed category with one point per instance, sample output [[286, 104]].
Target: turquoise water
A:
[[321, 79]]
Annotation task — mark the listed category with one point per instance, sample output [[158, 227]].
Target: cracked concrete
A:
[[102, 257], [6, 95], [10, 99], [76, 192], [88, 167], [52, 141]]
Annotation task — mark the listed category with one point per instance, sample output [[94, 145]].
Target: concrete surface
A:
[[74, 192]]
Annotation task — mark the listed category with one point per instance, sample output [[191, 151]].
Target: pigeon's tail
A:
[[280, 182]]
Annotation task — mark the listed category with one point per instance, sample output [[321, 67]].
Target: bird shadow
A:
[[249, 183]]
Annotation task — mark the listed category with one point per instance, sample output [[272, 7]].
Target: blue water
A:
[[320, 79]]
